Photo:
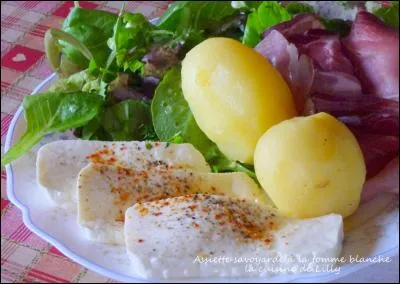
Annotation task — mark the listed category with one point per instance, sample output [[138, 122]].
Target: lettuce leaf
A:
[[81, 81], [52, 112], [131, 39], [268, 14], [192, 21], [92, 28]]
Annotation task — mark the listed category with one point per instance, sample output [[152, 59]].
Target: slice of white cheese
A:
[[58, 163], [105, 192], [210, 235]]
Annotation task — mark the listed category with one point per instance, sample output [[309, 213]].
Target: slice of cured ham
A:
[[335, 82], [324, 48], [298, 25], [373, 48], [378, 151], [297, 71], [386, 181]]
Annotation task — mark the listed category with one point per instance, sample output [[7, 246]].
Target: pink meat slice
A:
[[324, 48], [386, 180], [336, 82], [298, 71], [378, 150], [373, 48], [298, 25]]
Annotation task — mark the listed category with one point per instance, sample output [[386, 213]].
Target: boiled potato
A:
[[311, 166], [235, 95]]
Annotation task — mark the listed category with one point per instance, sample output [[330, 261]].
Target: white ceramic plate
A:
[[374, 229]]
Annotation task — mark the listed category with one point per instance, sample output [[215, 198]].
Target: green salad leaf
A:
[[74, 83], [92, 28], [268, 14], [191, 21], [203, 14], [124, 121], [128, 120], [52, 112], [174, 122], [390, 14], [93, 130], [172, 116], [131, 39], [81, 81]]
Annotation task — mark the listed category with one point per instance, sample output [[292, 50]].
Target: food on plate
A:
[[311, 166], [120, 76], [378, 71], [386, 180], [353, 76], [234, 94], [106, 191], [58, 163], [171, 238]]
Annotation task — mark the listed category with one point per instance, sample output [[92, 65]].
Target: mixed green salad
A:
[[120, 74]]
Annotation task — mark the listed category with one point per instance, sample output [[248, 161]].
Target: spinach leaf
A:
[[172, 116], [268, 14], [174, 122], [92, 28], [52, 112], [191, 21], [128, 120]]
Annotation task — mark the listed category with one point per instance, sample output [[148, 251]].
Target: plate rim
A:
[[81, 260]]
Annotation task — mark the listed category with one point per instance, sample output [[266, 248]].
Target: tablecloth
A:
[[24, 256]]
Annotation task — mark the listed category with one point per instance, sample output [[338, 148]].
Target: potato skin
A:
[[311, 166], [235, 95]]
